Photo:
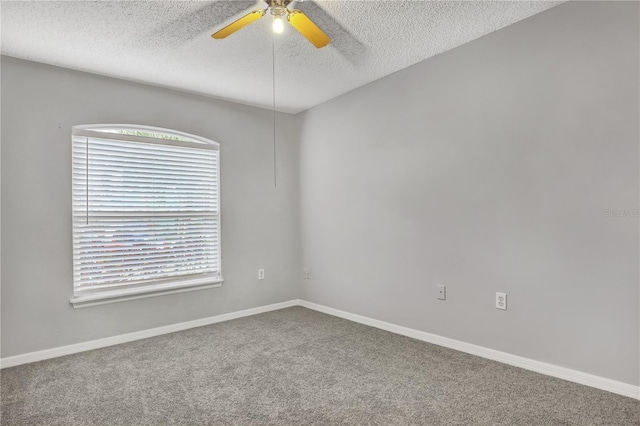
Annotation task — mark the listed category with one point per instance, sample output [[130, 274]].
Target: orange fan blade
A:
[[240, 23], [307, 28]]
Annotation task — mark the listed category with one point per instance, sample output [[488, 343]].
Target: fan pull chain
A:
[[273, 74]]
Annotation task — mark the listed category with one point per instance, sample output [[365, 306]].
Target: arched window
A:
[[146, 212]]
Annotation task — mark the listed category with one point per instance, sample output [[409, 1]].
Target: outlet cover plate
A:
[[501, 301]]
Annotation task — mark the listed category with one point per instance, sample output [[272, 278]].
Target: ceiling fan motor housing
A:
[[279, 7], [276, 3]]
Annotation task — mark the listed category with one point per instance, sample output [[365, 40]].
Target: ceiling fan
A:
[[280, 12]]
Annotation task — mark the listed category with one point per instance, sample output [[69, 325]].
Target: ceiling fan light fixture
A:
[[278, 24]]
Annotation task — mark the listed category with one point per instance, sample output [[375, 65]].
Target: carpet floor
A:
[[295, 367]]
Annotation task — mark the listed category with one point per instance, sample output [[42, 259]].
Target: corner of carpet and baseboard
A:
[[575, 376]]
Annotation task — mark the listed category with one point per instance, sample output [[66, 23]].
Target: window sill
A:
[[142, 292]]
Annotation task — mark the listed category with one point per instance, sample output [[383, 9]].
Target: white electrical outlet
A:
[[261, 274], [442, 292], [306, 274], [501, 301]]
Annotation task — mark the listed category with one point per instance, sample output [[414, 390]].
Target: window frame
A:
[[160, 286]]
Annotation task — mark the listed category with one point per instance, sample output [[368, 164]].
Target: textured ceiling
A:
[[168, 43]]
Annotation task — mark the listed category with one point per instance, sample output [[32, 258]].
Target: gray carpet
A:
[[294, 367]]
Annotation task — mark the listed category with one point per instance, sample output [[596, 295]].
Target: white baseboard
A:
[[506, 358], [137, 335]]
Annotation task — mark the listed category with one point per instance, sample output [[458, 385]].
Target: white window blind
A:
[[145, 211]]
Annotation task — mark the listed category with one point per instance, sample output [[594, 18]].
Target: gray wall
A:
[[259, 223], [489, 168]]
